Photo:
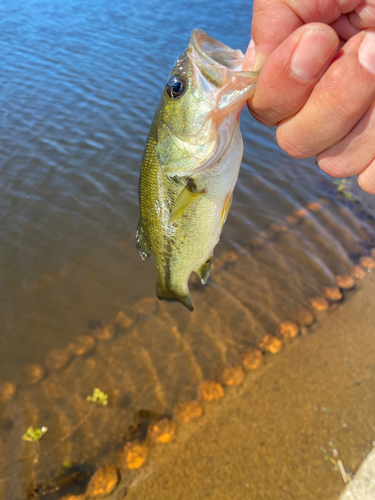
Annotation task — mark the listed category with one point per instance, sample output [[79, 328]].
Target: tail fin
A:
[[164, 293]]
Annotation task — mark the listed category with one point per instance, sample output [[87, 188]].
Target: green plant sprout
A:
[[343, 186], [98, 397], [34, 435]]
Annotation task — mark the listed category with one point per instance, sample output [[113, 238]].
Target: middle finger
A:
[[337, 102]]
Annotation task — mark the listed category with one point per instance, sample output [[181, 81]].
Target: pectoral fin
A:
[[204, 271], [185, 199], [142, 246]]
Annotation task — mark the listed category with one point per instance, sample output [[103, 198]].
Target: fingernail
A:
[[313, 51], [249, 60], [366, 52], [259, 61]]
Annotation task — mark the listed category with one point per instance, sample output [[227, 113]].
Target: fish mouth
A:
[[214, 54], [221, 67], [218, 76]]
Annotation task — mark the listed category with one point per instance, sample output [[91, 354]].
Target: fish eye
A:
[[176, 86]]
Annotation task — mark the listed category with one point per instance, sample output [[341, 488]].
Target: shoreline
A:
[[272, 436], [266, 415]]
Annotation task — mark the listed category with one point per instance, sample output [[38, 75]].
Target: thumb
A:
[[291, 72]]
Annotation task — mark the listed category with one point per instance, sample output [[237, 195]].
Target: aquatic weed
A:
[[34, 435], [343, 186], [98, 397]]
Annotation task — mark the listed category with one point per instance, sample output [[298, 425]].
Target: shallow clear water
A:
[[79, 85]]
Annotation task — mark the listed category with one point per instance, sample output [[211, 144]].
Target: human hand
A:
[[317, 81]]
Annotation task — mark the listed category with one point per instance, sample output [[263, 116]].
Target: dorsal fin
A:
[[184, 200], [204, 271], [140, 241]]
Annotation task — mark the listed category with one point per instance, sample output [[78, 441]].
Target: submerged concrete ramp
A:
[[363, 485], [297, 428], [153, 356]]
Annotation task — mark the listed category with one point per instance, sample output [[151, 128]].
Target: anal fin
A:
[[226, 207], [140, 241], [204, 271]]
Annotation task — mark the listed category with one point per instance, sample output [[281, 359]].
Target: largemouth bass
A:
[[191, 163]]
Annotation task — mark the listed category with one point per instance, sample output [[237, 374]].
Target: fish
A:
[[191, 163]]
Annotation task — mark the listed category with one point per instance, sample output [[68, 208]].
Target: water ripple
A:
[[80, 82]]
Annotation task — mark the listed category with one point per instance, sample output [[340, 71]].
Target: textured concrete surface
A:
[[363, 485], [282, 433]]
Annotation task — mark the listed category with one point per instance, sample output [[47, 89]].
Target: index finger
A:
[[275, 20]]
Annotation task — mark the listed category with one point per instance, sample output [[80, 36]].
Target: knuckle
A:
[[263, 118], [290, 143], [333, 165], [337, 111], [264, 111]]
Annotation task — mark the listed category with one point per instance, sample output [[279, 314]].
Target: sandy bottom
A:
[[271, 437]]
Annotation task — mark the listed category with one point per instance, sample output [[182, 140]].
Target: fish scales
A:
[[191, 162]]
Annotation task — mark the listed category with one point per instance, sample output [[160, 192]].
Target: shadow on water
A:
[[80, 82]]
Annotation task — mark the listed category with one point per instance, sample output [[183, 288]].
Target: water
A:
[[79, 85]]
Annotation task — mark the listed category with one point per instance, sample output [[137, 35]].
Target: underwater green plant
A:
[[98, 397], [343, 186], [34, 435]]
